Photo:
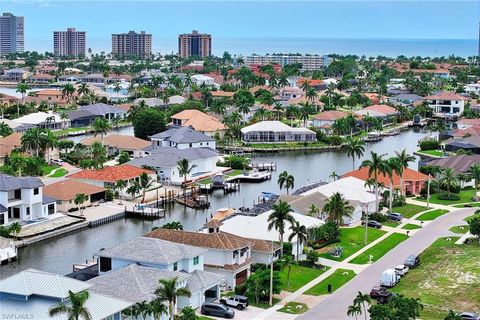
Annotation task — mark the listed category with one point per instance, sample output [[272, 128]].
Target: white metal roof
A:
[[274, 126], [38, 117], [350, 188]]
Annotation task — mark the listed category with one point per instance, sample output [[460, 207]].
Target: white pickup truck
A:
[[236, 301]]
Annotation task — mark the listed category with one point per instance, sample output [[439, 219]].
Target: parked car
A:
[[217, 310], [236, 301], [373, 224], [389, 278], [378, 292], [402, 269], [58, 162], [412, 261], [469, 316], [395, 216]]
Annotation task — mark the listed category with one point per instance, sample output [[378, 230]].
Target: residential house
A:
[[446, 103], [315, 103], [95, 78], [86, 115], [108, 176], [41, 78], [116, 143], [156, 102], [289, 93], [65, 191], [15, 75], [69, 78], [49, 96], [165, 162], [32, 293], [16, 126], [460, 164], [473, 88], [227, 255], [405, 99], [413, 181], [325, 120], [471, 144], [384, 112], [22, 199], [8, 144], [467, 123], [47, 120], [200, 79], [181, 138], [276, 132], [199, 121]]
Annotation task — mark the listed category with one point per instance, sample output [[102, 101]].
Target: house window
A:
[[175, 266], [190, 145], [195, 261], [35, 191]]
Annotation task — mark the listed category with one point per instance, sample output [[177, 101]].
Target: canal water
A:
[[59, 254]]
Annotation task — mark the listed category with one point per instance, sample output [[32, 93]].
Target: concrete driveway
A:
[[335, 306]]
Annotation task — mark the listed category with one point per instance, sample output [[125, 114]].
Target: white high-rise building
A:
[[69, 43], [12, 38]]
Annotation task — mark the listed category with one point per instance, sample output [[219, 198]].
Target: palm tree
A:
[[474, 173], [299, 231], [278, 218], [313, 211], [117, 87], [49, 141], [22, 88], [334, 176], [305, 110], [15, 228], [168, 291], [392, 167], [77, 310], [360, 300], [79, 200], [31, 140], [403, 158], [68, 91], [120, 185], [278, 108], [188, 313], [157, 308], [354, 148], [4, 106], [184, 168], [5, 130], [134, 189], [287, 262], [354, 310], [337, 207], [448, 179], [286, 180], [145, 183], [375, 166], [83, 89], [101, 126], [64, 117]]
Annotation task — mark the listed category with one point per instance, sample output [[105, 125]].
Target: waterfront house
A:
[[86, 115], [41, 78], [15, 75], [199, 121], [31, 293], [156, 102], [473, 88], [49, 96], [466, 132], [16, 126], [276, 132], [44, 120], [460, 164], [325, 120], [182, 138], [227, 255], [405, 99], [384, 112], [8, 250], [165, 162], [21, 199], [446, 103], [467, 123], [471, 144], [94, 78], [64, 193], [413, 181], [116, 143], [316, 103], [106, 177]]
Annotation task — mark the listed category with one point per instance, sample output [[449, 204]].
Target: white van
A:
[[389, 278]]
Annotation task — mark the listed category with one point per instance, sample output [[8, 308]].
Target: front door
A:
[[16, 213]]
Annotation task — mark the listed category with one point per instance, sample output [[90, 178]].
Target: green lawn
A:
[[460, 229], [227, 175], [409, 210], [337, 279], [410, 226], [432, 215], [294, 308], [476, 204], [262, 304], [465, 196], [59, 173], [205, 318], [299, 276], [471, 217], [436, 153], [447, 278], [47, 169], [352, 240], [380, 249], [392, 224]]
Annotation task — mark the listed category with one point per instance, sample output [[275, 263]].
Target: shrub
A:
[[380, 217], [312, 257], [109, 195], [287, 248], [452, 197], [336, 251], [327, 232], [240, 289], [257, 266], [429, 144]]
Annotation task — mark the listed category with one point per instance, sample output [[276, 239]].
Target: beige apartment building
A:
[[69, 43], [194, 44], [132, 44]]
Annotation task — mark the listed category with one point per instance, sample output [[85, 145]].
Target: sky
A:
[[228, 19]]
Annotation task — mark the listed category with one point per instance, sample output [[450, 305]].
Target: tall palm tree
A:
[[83, 89], [278, 108], [77, 310], [287, 262], [79, 200], [286, 180], [376, 165], [474, 173], [48, 142], [299, 231], [120, 185], [337, 208], [448, 179], [68, 91], [134, 189], [278, 218], [354, 310], [22, 88], [360, 300], [145, 183], [31, 140], [403, 158], [354, 148], [334, 176], [64, 117], [305, 110], [168, 291], [184, 168], [157, 308], [101, 126], [392, 167]]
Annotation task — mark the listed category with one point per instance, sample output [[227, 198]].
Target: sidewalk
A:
[[431, 205]]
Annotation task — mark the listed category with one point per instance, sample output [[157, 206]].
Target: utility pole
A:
[[428, 192], [270, 299], [366, 224]]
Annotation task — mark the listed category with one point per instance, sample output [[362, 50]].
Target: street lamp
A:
[[366, 221], [270, 298]]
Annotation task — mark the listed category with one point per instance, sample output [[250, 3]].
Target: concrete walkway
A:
[[431, 205], [463, 238]]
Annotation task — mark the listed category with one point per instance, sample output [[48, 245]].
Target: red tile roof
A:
[[67, 189], [111, 174], [382, 108], [331, 115], [445, 96], [408, 175]]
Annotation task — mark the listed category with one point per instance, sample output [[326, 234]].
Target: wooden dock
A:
[[265, 166], [145, 212]]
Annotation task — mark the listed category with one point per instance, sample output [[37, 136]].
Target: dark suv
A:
[[217, 310], [380, 294], [395, 216], [412, 261], [373, 224]]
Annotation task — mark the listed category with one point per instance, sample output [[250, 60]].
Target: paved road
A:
[[335, 306]]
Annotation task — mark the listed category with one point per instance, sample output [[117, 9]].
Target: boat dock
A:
[[8, 251], [264, 166], [145, 211]]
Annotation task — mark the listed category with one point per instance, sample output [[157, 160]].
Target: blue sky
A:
[[355, 19]]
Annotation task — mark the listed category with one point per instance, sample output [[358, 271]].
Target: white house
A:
[[200, 79], [275, 132], [446, 103], [22, 199], [44, 120], [165, 162], [182, 138], [473, 88]]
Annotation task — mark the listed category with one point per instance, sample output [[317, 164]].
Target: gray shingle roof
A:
[[460, 164], [143, 249], [168, 157], [8, 183], [47, 200], [100, 109], [182, 135]]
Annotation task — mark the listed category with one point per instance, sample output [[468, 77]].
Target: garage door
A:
[[196, 302]]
